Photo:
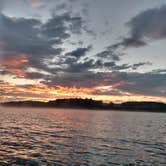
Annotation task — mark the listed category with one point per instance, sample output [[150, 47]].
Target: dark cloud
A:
[[34, 75], [137, 65], [79, 52], [114, 67], [120, 67], [135, 83], [81, 74], [147, 26], [80, 66], [60, 27], [132, 42], [77, 79], [110, 53], [40, 42], [145, 84], [150, 23], [22, 36]]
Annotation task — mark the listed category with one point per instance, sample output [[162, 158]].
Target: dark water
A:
[[81, 137]]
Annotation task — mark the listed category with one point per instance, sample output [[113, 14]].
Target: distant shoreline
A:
[[86, 109], [90, 104]]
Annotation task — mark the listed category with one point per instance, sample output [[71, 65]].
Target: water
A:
[[81, 137]]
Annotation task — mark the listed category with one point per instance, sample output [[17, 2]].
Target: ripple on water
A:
[[77, 137]]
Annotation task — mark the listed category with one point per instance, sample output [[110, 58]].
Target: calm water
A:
[[81, 137]]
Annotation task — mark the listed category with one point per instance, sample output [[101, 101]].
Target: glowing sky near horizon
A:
[[109, 50]]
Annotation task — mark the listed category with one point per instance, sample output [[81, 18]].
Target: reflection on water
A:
[[81, 137]]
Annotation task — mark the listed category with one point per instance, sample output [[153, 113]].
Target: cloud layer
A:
[[32, 49]]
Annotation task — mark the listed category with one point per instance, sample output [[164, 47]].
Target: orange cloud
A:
[[15, 62], [44, 93], [14, 66]]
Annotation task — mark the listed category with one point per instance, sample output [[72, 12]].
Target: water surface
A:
[[81, 137]]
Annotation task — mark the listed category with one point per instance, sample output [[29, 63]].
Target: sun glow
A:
[[44, 93]]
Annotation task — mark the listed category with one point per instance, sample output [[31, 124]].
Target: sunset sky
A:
[[110, 50]]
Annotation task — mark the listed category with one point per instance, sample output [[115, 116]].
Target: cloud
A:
[[14, 66], [61, 26], [144, 83], [113, 66], [150, 23], [79, 52], [20, 35], [111, 53], [137, 65], [75, 79], [147, 26], [40, 42], [29, 43], [147, 84], [132, 42], [33, 37]]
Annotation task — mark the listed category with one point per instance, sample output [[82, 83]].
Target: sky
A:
[[110, 50]]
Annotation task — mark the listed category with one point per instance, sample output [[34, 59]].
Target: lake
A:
[[55, 137]]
